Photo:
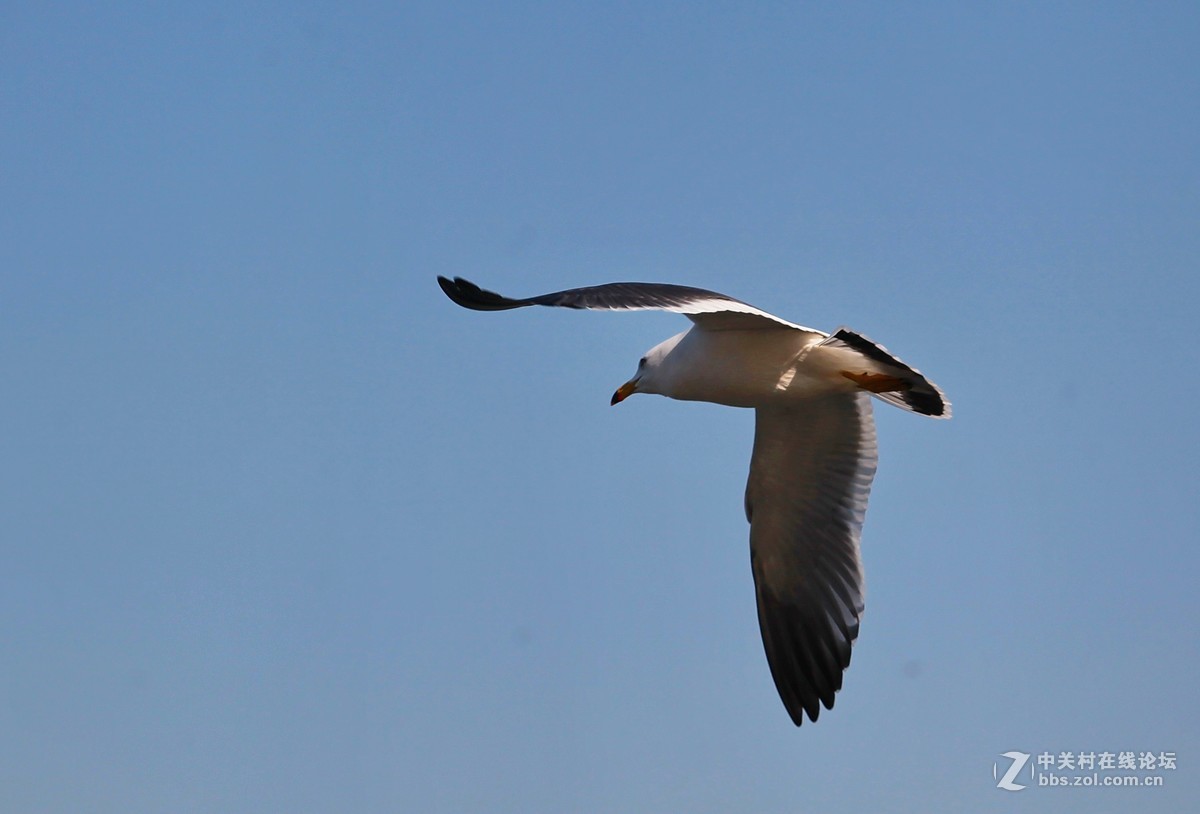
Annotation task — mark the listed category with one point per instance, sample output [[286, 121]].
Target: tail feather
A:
[[919, 394]]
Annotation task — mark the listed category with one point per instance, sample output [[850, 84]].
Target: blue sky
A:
[[286, 531]]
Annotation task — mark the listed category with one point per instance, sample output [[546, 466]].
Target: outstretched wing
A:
[[810, 476], [707, 309]]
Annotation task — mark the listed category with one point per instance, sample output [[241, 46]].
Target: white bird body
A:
[[749, 368]]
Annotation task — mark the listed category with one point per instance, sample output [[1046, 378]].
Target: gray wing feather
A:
[[706, 308], [810, 476]]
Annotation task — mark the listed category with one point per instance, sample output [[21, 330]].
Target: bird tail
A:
[[888, 378]]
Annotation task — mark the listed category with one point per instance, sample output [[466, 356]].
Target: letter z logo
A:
[[1019, 759]]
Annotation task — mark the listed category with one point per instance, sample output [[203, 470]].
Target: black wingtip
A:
[[468, 295], [808, 655]]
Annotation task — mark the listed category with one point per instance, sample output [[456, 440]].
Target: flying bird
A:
[[812, 464]]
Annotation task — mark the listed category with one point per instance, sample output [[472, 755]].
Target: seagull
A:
[[813, 459]]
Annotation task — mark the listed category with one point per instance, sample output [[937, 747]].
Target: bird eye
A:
[[641, 363]]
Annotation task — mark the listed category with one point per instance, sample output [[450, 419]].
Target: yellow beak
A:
[[624, 391]]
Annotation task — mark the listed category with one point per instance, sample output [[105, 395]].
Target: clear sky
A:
[[284, 530]]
